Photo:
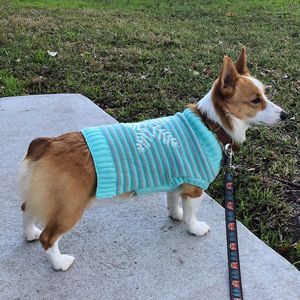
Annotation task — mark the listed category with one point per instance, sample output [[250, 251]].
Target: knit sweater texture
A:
[[154, 155]]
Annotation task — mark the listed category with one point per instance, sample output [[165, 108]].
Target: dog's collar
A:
[[222, 136]]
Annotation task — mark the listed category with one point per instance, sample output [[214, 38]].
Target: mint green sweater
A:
[[154, 155]]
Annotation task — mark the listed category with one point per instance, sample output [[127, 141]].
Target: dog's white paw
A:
[[63, 262], [198, 228], [33, 234], [177, 214]]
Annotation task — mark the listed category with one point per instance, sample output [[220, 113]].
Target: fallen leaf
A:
[[39, 79], [230, 14], [52, 53], [167, 70], [207, 71]]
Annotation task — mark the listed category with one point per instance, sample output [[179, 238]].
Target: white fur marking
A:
[[256, 82], [270, 116], [31, 232], [190, 207], [240, 127], [60, 262], [175, 210], [206, 106]]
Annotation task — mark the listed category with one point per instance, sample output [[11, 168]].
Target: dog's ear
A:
[[228, 77], [241, 63]]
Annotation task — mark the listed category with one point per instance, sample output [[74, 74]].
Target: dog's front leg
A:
[[175, 211], [190, 207]]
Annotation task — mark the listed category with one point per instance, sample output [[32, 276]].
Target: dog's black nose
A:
[[283, 115]]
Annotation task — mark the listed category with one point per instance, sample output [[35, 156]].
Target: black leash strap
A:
[[235, 282]]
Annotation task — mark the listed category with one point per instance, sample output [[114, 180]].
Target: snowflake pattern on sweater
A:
[[146, 135]]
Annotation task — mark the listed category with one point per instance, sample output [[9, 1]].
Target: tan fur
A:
[[241, 63], [61, 182], [191, 191], [193, 107]]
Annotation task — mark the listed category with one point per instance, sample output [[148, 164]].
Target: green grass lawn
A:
[[144, 59]]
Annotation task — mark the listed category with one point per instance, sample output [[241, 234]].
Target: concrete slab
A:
[[125, 249]]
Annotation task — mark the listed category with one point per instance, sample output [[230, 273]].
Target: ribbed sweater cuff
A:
[[106, 175]]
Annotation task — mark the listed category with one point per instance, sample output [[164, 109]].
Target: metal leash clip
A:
[[229, 153]]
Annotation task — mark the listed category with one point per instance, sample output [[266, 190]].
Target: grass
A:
[[143, 59], [10, 84]]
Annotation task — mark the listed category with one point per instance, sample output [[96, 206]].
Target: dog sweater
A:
[[154, 155]]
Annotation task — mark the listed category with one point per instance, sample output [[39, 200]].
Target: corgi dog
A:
[[60, 176]]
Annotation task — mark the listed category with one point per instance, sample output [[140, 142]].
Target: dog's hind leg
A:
[[31, 232], [49, 239], [191, 199], [175, 211], [61, 222]]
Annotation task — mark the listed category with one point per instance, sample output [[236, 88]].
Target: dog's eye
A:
[[256, 101]]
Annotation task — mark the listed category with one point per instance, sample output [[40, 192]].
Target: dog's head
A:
[[239, 99]]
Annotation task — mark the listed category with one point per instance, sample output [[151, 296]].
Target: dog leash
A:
[[235, 282]]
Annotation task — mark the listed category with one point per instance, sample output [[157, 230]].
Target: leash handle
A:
[[235, 282]]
